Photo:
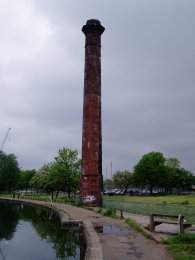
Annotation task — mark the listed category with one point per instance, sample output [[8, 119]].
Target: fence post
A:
[[152, 223], [114, 211], [187, 212], [180, 223], [121, 213]]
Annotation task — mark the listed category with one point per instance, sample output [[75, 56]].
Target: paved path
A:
[[118, 240]]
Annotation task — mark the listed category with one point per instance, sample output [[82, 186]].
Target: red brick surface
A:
[[91, 179]]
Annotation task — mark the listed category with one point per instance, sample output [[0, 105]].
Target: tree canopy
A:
[[63, 174], [123, 179], [24, 182], [178, 177], [154, 171], [9, 172], [150, 171], [108, 184]]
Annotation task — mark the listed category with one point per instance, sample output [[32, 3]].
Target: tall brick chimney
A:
[[91, 183]]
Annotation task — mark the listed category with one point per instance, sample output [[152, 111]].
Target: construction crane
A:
[[5, 139]]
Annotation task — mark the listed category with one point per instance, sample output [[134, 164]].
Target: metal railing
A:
[[188, 211]]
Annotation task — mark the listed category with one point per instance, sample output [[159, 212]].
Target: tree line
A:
[[62, 174], [154, 172]]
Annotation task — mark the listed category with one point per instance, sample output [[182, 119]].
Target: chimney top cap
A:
[[93, 22], [93, 26]]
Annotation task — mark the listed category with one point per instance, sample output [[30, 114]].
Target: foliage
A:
[[25, 179], [184, 238], [123, 179], [66, 170], [150, 171], [172, 163], [9, 171], [63, 174], [177, 177], [182, 246], [108, 184], [40, 179], [109, 212], [184, 179], [154, 171]]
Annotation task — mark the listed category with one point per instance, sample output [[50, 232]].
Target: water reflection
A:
[[33, 233], [110, 229]]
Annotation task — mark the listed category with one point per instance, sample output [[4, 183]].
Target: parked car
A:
[[117, 192], [122, 192], [133, 191], [109, 192], [106, 192]]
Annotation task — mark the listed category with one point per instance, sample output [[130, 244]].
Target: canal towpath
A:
[[115, 239]]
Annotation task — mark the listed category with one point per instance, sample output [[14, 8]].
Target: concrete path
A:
[[117, 239]]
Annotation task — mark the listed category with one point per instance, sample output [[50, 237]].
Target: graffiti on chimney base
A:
[[89, 198]]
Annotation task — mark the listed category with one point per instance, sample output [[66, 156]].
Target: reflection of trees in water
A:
[[8, 220], [64, 242], [1, 253]]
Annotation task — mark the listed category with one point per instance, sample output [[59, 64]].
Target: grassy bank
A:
[[182, 246], [40, 197], [170, 199]]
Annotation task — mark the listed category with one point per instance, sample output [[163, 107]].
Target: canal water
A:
[[34, 233]]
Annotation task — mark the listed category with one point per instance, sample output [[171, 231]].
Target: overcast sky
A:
[[148, 79]]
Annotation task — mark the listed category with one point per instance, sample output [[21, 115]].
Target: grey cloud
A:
[[148, 61]]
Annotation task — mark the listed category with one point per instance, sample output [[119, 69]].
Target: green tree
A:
[[40, 179], [25, 179], [185, 179], [66, 170], [123, 179], [172, 166], [108, 184], [150, 171], [181, 179], [177, 177], [9, 171], [63, 174], [173, 163]]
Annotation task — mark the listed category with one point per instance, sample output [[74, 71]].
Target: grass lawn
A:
[[182, 246], [170, 199]]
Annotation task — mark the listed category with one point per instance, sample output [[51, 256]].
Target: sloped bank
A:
[[93, 245]]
